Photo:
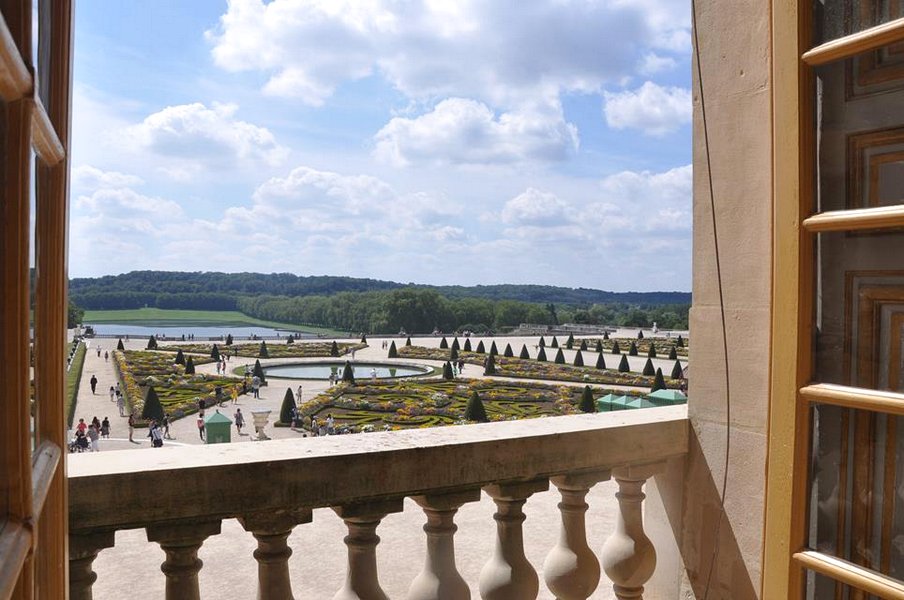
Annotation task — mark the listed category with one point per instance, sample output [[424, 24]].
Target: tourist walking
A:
[[239, 420], [256, 386], [298, 396], [106, 356], [95, 422], [131, 426], [235, 395], [113, 395], [93, 383], [201, 425], [105, 428], [93, 436], [166, 433], [120, 404], [82, 426], [154, 434]]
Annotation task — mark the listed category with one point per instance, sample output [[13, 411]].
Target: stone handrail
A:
[[440, 468]]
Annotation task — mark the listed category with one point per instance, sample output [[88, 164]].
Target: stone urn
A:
[[260, 418]]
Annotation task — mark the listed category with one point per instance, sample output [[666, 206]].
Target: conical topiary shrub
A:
[[632, 351], [658, 381], [189, 366], [680, 342], [560, 357], [453, 353], [229, 339], [490, 366], [447, 370], [583, 345], [120, 345], [524, 352], [677, 371], [648, 368], [152, 407], [363, 338], [569, 343], [541, 355], [443, 343], [152, 343], [290, 339], [475, 410], [263, 352], [542, 342], [480, 348], [408, 341], [348, 374], [578, 360], [467, 346], [334, 349], [587, 404], [600, 361], [623, 366], [180, 358], [599, 346], [555, 342], [393, 353], [215, 352], [285, 410], [455, 345], [508, 351], [616, 349], [259, 371], [651, 353], [673, 353], [640, 334], [605, 335], [493, 349]]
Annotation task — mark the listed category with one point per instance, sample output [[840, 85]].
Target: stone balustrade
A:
[[180, 496]]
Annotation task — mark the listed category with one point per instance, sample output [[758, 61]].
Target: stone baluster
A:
[[361, 581], [271, 530], [180, 542], [571, 570], [83, 549], [440, 579], [508, 575], [628, 556]]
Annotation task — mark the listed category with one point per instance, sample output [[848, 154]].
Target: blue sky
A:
[[434, 141]]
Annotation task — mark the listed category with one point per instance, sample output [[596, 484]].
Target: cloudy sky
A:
[[432, 141]]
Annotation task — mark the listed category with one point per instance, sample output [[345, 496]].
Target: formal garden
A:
[[264, 350]]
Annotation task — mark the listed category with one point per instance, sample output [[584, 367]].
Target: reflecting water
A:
[[362, 370]]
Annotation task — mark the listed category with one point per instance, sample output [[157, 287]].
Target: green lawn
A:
[[158, 317]]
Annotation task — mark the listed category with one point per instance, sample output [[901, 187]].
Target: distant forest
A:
[[370, 305]]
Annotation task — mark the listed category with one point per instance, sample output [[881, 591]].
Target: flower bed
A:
[[534, 369], [663, 345], [435, 402], [296, 350], [177, 391]]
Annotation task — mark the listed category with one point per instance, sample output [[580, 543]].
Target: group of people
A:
[[87, 436]]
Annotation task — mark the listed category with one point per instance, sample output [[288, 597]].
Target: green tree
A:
[[480, 348], [555, 342], [600, 361], [189, 366], [493, 349], [541, 355], [453, 354], [74, 315], [467, 345], [285, 410], [229, 339], [648, 368], [587, 404], [632, 351], [508, 353], [215, 352], [616, 349], [578, 360], [569, 343], [447, 371], [658, 381], [455, 345], [120, 345], [180, 358], [677, 371], [651, 353], [524, 352], [348, 373], [259, 371], [560, 357], [490, 365], [623, 366], [475, 410], [152, 407], [443, 343], [152, 343], [263, 352], [673, 353], [334, 349], [393, 353]]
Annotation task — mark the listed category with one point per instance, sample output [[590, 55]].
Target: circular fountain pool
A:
[[363, 370]]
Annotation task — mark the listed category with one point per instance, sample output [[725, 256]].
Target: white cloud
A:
[[653, 109], [653, 63], [461, 131], [534, 207], [195, 137], [86, 176], [498, 52]]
